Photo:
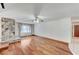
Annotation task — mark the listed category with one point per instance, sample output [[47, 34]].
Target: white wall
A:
[[55, 29]]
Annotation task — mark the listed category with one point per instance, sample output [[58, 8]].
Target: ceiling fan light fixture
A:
[[36, 21]]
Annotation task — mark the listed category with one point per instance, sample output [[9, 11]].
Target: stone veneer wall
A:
[[7, 29]]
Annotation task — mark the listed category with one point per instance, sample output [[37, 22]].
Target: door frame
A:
[[74, 23]]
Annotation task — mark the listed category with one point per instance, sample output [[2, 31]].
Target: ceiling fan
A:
[[37, 10], [38, 19], [36, 15], [2, 5]]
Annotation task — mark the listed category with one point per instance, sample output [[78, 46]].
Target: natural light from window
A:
[[25, 29]]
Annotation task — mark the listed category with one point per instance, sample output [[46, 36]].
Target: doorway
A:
[[76, 30], [75, 27]]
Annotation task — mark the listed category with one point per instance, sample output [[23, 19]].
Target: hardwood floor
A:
[[35, 45]]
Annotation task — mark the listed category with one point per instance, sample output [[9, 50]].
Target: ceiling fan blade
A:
[[29, 20], [2, 5], [42, 20]]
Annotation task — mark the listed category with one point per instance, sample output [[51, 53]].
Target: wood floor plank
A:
[[35, 45]]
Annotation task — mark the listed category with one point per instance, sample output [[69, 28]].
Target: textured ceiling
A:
[[47, 11]]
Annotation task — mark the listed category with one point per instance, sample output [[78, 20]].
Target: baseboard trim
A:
[[52, 39], [71, 49]]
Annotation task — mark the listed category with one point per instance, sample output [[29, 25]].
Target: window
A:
[[25, 29]]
